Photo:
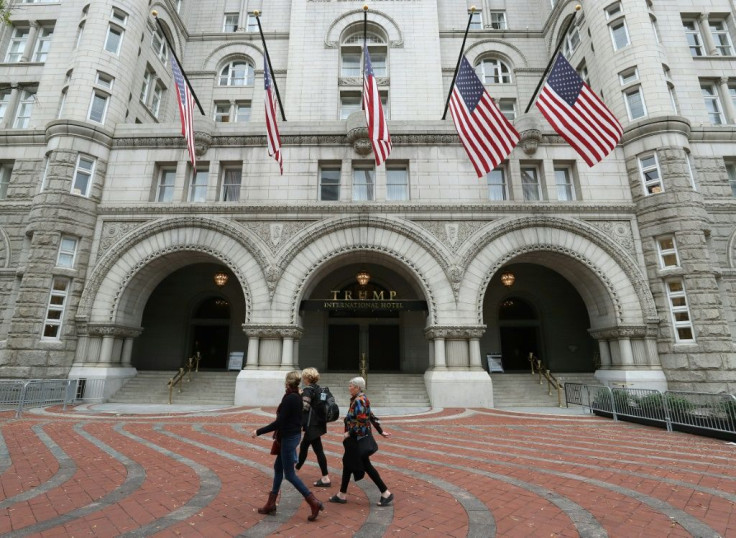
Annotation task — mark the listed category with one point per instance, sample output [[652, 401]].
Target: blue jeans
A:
[[283, 467]]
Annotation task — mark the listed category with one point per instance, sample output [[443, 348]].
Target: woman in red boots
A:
[[287, 428]]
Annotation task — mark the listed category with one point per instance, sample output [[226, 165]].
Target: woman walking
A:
[[356, 460], [314, 425], [287, 428]]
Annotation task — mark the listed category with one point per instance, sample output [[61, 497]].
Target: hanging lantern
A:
[[508, 279], [220, 278], [363, 277]]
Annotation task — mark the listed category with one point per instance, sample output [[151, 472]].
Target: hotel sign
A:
[[370, 301]]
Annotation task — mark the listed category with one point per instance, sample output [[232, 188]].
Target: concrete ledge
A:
[[633, 379], [459, 388], [258, 388], [114, 378]]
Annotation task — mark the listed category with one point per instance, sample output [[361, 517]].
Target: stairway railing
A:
[[552, 382], [186, 371]]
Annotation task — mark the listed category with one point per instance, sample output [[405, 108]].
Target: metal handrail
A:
[[174, 381], [552, 381], [192, 363]]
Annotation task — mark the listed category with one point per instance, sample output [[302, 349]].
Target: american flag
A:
[[577, 114], [272, 128], [186, 108], [377, 127], [487, 136]]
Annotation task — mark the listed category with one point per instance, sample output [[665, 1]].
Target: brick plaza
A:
[[454, 472]]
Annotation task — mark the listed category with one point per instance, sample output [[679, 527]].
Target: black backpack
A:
[[326, 405]]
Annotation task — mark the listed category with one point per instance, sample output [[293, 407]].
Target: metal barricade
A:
[[20, 394], [715, 412]]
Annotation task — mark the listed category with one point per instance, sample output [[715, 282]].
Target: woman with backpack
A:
[[314, 425], [288, 429], [359, 444]]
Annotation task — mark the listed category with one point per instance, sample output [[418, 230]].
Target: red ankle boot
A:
[[315, 505], [270, 507]]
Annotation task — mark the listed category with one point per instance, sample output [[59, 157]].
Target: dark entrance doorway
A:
[[343, 351], [516, 344], [383, 348], [210, 333]]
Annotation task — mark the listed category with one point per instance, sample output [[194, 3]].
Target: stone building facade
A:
[[109, 241]]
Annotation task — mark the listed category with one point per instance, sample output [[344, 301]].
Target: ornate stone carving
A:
[[119, 331], [202, 143], [113, 231], [530, 140], [454, 332], [274, 234], [358, 81], [618, 230], [358, 138], [272, 331], [450, 233], [273, 275], [625, 331]]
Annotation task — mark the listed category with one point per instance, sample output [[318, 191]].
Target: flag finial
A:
[[578, 7], [154, 13], [472, 9], [365, 7], [257, 13]]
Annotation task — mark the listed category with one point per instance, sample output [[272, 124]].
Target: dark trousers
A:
[[283, 466], [316, 445], [369, 470]]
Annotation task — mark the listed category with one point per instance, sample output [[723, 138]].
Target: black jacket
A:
[[288, 417], [313, 421]]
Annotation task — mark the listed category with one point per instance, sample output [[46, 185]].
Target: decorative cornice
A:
[[656, 126], [79, 129], [120, 331], [454, 332], [625, 331], [22, 137], [253, 330]]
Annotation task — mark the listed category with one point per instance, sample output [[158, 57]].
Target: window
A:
[[476, 21], [5, 170], [329, 183], [349, 103], [351, 54], [712, 103], [148, 77], [166, 182], [498, 20], [222, 112], [655, 31], [493, 71], [114, 39], [231, 178], [351, 64], [17, 44], [530, 183], [564, 183], [198, 185], [226, 112], [242, 111], [251, 23], [619, 34], [364, 183], [679, 310], [55, 309], [628, 76], [4, 101], [230, 23], [119, 17], [158, 93], [237, 73], [583, 73], [158, 42], [25, 108], [650, 175], [614, 10], [731, 171], [62, 103], [98, 107], [731, 93], [497, 188], [80, 33], [397, 183], [508, 108], [43, 43], [667, 252], [694, 41], [721, 38], [104, 80], [571, 41], [178, 6], [635, 103], [83, 176], [67, 252], [691, 172]]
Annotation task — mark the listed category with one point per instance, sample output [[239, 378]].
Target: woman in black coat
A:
[[287, 428], [314, 425]]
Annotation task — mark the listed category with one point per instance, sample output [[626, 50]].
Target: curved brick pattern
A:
[[454, 472]]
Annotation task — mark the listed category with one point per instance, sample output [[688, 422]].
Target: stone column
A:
[[476, 361], [728, 107], [287, 334], [31, 42], [439, 354], [106, 352], [627, 353], [10, 110], [605, 352], [710, 46], [127, 354], [287, 353], [252, 359]]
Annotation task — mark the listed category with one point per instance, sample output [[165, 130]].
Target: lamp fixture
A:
[[363, 277], [220, 278], [508, 279]]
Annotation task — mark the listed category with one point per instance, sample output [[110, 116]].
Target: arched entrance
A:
[[188, 312], [540, 313], [381, 319]]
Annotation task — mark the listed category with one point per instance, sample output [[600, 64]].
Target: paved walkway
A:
[[103, 471]]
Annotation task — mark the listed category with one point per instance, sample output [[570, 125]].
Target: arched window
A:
[[237, 73], [493, 71], [158, 42], [351, 54]]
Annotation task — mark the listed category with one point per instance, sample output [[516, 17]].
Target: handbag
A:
[[367, 446], [276, 446]]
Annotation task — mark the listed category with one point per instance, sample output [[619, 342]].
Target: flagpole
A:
[[552, 59], [459, 59], [362, 52], [270, 67], [158, 22]]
